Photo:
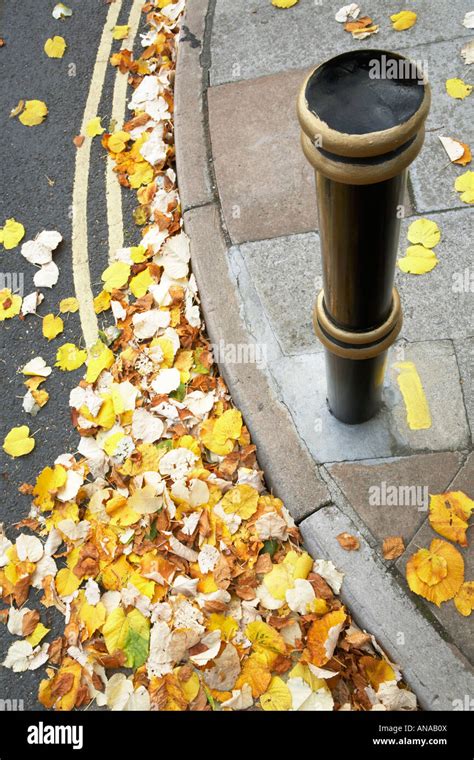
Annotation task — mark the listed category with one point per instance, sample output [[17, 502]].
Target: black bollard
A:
[[362, 117]]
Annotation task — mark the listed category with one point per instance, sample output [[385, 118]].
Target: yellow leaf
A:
[[111, 442], [34, 113], [117, 141], [224, 623], [69, 676], [127, 633], [52, 326], [449, 513], [41, 397], [48, 483], [142, 174], [120, 512], [436, 573], [284, 3], [218, 435], [191, 686], [116, 275], [100, 358], [266, 641], [55, 47], [256, 674], [144, 501], [120, 32], [93, 616], [93, 127], [377, 671], [69, 357], [323, 635], [464, 599], [279, 580], [70, 305], [464, 184], [416, 404], [102, 302], [457, 88], [138, 254], [140, 283], [38, 634], [425, 232], [303, 671], [66, 582], [241, 500], [17, 442], [403, 20], [418, 260], [115, 576], [11, 234], [278, 696], [10, 304]]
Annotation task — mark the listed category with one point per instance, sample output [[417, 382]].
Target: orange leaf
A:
[[436, 573]]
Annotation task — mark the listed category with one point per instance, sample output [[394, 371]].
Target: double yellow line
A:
[[80, 252]]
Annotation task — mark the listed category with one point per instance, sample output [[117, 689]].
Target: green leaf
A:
[[269, 547], [179, 393], [198, 367], [138, 638]]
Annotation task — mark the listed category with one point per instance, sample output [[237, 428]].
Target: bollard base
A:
[[354, 387]]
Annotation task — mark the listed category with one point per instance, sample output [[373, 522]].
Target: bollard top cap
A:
[[364, 103], [362, 115], [366, 91]]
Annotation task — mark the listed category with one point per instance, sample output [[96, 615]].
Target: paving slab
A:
[[286, 273], [457, 626], [433, 305], [437, 368], [464, 480], [251, 38], [392, 497], [266, 186], [432, 176], [302, 384], [465, 355], [434, 668]]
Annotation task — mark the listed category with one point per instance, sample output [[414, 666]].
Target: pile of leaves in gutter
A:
[[182, 581]]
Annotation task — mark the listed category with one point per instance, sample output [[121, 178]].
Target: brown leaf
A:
[[30, 621], [57, 650], [357, 639], [78, 140], [348, 542], [320, 587], [393, 547]]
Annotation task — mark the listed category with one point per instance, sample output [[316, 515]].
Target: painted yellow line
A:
[[416, 403], [80, 254], [112, 186]]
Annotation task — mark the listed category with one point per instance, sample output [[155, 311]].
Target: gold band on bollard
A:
[[360, 173], [357, 345]]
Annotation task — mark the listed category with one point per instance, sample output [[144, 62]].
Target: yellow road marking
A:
[[416, 404], [112, 187], [80, 254]]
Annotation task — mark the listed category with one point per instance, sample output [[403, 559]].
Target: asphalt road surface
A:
[[37, 172]]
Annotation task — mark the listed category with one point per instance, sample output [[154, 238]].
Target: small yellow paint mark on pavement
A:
[[416, 403]]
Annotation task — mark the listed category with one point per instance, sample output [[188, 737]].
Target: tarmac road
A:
[[37, 169]]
